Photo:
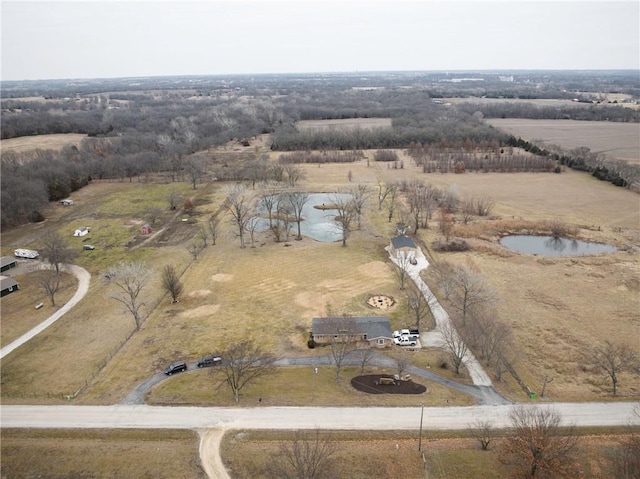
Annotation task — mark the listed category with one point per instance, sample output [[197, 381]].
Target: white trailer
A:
[[26, 253]]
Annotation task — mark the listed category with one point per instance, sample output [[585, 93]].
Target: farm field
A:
[[622, 99], [344, 124], [616, 140], [41, 142], [233, 293]]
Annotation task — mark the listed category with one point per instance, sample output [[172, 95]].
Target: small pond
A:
[[552, 246], [317, 223]]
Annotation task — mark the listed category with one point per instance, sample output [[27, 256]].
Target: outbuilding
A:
[[8, 285], [7, 262], [66, 202], [146, 229], [82, 231], [403, 246]]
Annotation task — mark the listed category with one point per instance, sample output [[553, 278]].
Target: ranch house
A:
[[367, 331], [8, 285], [7, 262], [403, 246]]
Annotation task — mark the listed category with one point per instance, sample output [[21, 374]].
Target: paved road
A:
[[84, 279], [347, 418]]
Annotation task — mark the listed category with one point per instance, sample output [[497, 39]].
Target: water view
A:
[[318, 224], [552, 246]]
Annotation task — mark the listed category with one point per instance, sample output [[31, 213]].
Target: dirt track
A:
[[210, 440]]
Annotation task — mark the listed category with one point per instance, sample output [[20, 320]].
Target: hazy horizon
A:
[[51, 40]]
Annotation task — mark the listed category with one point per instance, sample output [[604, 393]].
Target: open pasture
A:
[[616, 140], [41, 142], [344, 124]]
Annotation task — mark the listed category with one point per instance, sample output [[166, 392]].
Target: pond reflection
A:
[[553, 246]]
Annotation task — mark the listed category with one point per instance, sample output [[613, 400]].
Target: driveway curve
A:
[[84, 278]]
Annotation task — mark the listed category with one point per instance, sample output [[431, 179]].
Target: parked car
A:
[[176, 367], [405, 341], [88, 247], [209, 361], [400, 333]]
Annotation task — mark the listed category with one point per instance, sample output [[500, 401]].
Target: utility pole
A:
[[420, 439]]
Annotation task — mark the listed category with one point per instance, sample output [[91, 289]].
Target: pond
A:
[[552, 246], [318, 224]]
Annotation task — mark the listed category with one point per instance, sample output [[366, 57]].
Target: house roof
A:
[[6, 282], [6, 261], [402, 242], [372, 326]]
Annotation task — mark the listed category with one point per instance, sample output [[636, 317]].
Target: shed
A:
[[8, 285], [146, 229], [7, 262], [403, 246], [82, 231], [66, 202], [372, 331]]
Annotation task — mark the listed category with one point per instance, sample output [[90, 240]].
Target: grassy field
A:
[[102, 453], [395, 454], [616, 140], [41, 142]]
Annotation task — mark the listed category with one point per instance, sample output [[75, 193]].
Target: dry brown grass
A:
[[100, 453], [296, 386], [270, 293], [616, 140], [41, 142], [18, 309], [344, 124]]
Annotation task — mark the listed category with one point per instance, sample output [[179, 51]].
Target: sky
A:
[[110, 39]]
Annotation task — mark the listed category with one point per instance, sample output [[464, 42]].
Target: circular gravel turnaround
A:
[[386, 384]]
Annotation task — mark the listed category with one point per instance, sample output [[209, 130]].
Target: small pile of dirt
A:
[[372, 384]]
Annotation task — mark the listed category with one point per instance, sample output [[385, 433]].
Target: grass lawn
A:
[[295, 386]]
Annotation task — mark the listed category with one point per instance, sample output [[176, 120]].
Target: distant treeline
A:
[[618, 172], [522, 109]]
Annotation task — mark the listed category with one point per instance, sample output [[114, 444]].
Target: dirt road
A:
[[210, 440]]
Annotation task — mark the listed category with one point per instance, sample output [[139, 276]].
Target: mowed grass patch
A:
[[100, 453], [18, 311], [294, 386], [344, 124]]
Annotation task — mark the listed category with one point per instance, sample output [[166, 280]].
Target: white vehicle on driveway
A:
[[406, 341]]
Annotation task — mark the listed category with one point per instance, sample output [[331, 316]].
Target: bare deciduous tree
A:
[[346, 215], [403, 263], [253, 224], [212, 227], [613, 359], [384, 189], [417, 302], [359, 195], [471, 291], [238, 204], [297, 201], [50, 283], [130, 278], [366, 355], [243, 363], [538, 445], [171, 282], [55, 250], [294, 174], [195, 248], [174, 198], [483, 431], [626, 459], [343, 341], [454, 345], [308, 456]]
